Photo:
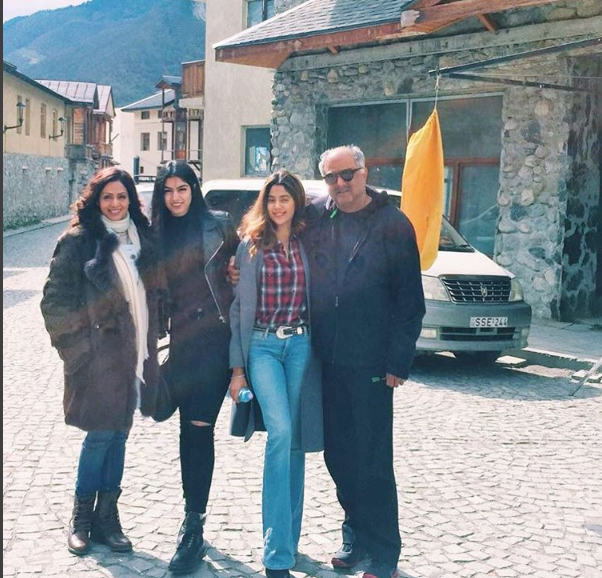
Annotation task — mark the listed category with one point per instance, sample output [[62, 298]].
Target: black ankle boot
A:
[[78, 541], [191, 547], [106, 527]]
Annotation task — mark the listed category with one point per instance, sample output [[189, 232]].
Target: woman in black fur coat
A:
[[100, 306], [196, 245]]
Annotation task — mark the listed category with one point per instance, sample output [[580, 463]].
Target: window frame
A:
[[27, 117], [20, 112], [455, 164], [145, 141], [162, 140], [43, 120], [265, 10], [245, 143]]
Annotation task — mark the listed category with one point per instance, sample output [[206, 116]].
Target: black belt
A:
[[285, 331]]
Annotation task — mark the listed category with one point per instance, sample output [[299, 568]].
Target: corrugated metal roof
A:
[[171, 79], [319, 17], [76, 91], [104, 98], [150, 102]]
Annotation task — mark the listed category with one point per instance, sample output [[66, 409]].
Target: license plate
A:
[[489, 322]]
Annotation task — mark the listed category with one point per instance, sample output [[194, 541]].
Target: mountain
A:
[[128, 44]]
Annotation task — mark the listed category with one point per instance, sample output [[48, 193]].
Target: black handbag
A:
[[166, 404]]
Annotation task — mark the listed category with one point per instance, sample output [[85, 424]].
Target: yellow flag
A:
[[422, 188]]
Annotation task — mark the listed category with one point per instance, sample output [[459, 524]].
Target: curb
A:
[[41, 225], [552, 359]]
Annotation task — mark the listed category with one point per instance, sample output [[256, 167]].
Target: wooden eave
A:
[[429, 16]]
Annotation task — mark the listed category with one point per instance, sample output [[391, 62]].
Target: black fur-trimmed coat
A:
[[90, 324]]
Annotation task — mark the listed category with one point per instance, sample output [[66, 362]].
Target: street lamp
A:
[[20, 107], [62, 120]]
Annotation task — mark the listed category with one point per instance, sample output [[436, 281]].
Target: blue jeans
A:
[[276, 368], [101, 462]]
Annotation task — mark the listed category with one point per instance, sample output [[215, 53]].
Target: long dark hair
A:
[[257, 225], [178, 233], [87, 207]]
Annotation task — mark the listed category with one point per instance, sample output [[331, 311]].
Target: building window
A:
[[258, 11], [162, 141], [27, 116], [145, 141], [257, 152], [55, 122], [159, 114], [43, 121], [145, 114], [471, 130], [19, 113]]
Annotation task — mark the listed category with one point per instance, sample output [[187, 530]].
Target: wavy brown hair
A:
[[87, 207], [256, 224]]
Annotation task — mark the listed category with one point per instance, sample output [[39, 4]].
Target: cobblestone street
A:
[[496, 469]]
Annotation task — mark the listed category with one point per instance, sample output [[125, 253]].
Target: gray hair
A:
[[358, 156]]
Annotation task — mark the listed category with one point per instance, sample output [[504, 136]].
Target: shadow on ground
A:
[[525, 383]]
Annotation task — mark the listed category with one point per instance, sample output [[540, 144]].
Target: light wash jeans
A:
[[276, 368], [101, 462]]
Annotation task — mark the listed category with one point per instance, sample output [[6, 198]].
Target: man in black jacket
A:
[[367, 309]]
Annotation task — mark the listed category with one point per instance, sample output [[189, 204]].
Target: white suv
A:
[[474, 307]]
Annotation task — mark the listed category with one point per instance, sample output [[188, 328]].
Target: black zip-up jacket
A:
[[373, 315]]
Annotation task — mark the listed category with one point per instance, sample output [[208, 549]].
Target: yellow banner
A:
[[422, 188]]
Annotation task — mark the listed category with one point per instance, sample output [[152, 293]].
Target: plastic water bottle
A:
[[245, 395]]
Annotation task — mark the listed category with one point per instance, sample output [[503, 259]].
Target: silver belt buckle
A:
[[280, 332]]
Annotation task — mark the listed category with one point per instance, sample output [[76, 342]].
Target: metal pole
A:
[[520, 55], [512, 82], [162, 125]]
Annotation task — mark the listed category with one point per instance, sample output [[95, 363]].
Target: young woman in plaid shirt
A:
[[270, 351]]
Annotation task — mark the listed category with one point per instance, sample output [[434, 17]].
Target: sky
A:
[[12, 8]]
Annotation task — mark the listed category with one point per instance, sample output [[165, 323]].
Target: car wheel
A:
[[477, 357]]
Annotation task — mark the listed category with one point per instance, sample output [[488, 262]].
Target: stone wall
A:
[[36, 188], [545, 232], [80, 172], [532, 196], [582, 228], [33, 188]]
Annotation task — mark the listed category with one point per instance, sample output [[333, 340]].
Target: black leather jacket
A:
[[219, 244]]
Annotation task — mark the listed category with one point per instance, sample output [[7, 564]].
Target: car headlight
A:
[[516, 291], [434, 289]]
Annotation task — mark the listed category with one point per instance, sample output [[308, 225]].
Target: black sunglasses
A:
[[345, 174]]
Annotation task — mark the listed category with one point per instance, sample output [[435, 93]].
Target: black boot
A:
[[191, 546], [78, 541], [106, 527]]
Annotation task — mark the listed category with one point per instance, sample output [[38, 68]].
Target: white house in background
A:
[[147, 140], [238, 99], [124, 146]]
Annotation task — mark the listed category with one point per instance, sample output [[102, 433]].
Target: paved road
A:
[[498, 470]]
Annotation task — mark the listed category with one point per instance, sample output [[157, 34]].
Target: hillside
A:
[[127, 44]]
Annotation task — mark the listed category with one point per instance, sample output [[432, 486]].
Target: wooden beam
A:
[[487, 22], [334, 49], [461, 9], [265, 58]]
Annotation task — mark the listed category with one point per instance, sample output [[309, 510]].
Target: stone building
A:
[[56, 134], [521, 129]]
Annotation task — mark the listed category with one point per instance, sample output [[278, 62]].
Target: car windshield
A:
[[237, 203], [450, 239]]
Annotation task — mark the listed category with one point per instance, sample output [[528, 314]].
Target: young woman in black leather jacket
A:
[[196, 245]]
